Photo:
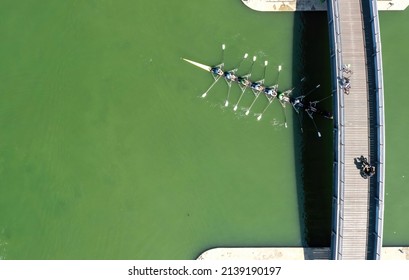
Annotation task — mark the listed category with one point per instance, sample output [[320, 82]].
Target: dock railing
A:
[[380, 128], [339, 126]]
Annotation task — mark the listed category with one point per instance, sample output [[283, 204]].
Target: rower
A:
[[229, 75], [297, 102], [217, 71], [243, 81], [283, 97], [257, 86], [270, 92], [312, 106]]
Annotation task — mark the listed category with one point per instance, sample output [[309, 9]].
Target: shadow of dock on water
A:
[[313, 154]]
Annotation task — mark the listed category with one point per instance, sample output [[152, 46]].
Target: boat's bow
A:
[[202, 66]]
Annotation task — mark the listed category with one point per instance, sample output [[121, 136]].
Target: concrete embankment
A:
[[290, 253], [314, 5]]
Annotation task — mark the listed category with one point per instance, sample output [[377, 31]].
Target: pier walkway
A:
[[358, 129], [353, 217]]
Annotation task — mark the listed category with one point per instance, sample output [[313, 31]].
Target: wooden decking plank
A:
[[356, 133]]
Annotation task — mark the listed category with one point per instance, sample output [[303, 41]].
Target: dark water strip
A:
[[313, 154], [373, 130]]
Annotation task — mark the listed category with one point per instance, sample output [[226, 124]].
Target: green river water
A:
[[395, 44], [107, 150]]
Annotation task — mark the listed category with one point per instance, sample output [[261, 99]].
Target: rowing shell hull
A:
[[202, 66]]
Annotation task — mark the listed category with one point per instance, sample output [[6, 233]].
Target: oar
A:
[[270, 100], [323, 98], [311, 91], [226, 103], [285, 115], [265, 108], [313, 121], [215, 81], [217, 78], [241, 62], [276, 83], [316, 128], [258, 93], [278, 75], [223, 48], [286, 95], [243, 88], [241, 95], [299, 120]]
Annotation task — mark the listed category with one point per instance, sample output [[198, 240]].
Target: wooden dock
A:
[[356, 132]]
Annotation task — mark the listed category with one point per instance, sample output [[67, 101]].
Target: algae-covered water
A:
[[395, 43], [107, 150]]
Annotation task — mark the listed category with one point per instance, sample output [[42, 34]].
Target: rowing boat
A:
[[258, 87]]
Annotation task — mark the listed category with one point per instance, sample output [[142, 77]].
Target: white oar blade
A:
[[202, 66], [279, 68]]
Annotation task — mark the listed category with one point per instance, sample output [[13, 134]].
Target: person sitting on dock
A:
[[368, 170], [346, 83], [346, 68], [371, 171]]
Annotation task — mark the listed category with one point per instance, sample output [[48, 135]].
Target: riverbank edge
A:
[[314, 5], [290, 253]]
